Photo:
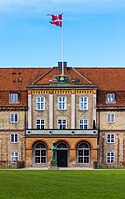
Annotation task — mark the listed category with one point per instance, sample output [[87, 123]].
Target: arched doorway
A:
[[40, 154], [83, 153], [62, 154]]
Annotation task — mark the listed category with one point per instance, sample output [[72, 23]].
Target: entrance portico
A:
[[71, 151]]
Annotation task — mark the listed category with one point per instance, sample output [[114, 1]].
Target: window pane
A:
[[80, 152], [80, 160], [37, 159], [37, 152]]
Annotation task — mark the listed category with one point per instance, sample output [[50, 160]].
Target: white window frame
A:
[[14, 138], [111, 118], [83, 123], [42, 123], [83, 103], [63, 123], [110, 138], [14, 98], [14, 155], [40, 103], [110, 98], [110, 157], [13, 118], [62, 103]]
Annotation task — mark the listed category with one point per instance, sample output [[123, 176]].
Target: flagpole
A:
[[62, 48]]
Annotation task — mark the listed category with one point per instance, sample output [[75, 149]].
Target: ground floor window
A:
[[110, 157], [14, 156], [40, 153], [83, 153]]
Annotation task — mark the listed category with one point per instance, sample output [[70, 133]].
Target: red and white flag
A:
[[56, 20]]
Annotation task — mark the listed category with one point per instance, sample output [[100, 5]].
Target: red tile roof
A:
[[109, 79], [106, 79]]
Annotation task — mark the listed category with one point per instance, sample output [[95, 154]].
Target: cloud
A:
[[65, 5]]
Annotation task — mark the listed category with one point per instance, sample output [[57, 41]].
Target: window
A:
[[40, 103], [110, 98], [83, 153], [110, 138], [110, 157], [14, 138], [83, 103], [62, 124], [62, 103], [40, 124], [14, 157], [40, 153], [14, 118], [83, 124], [13, 98], [111, 117]]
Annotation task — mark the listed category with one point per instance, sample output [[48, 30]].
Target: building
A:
[[82, 110]]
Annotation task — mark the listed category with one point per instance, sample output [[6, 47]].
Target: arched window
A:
[[40, 153], [62, 145], [83, 153]]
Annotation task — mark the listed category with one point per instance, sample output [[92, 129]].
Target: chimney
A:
[[60, 66]]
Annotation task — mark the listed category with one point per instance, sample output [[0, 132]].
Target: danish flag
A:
[[56, 20]]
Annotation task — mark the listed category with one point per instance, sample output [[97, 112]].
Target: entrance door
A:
[[62, 158], [62, 155]]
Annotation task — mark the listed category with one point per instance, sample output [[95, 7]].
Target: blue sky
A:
[[94, 32]]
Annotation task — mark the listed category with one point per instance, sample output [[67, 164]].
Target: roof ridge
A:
[[42, 76], [82, 76]]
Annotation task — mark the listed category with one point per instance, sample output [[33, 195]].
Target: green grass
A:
[[96, 184]]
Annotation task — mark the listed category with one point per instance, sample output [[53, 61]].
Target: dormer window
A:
[[14, 98], [110, 98]]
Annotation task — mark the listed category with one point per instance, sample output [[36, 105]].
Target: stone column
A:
[[50, 111], [73, 114], [94, 106], [72, 158], [29, 111]]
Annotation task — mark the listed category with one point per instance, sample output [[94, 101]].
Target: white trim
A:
[[110, 142], [64, 102], [13, 98], [29, 111], [94, 108], [110, 117], [110, 98], [73, 114], [14, 155], [50, 111], [61, 123], [83, 103], [40, 109], [40, 123], [14, 122], [83, 123], [110, 158], [14, 138]]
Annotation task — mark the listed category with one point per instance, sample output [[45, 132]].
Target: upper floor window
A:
[[62, 124], [14, 138], [40, 103], [111, 117], [40, 124], [14, 156], [14, 118], [110, 138], [13, 98], [110, 157], [83, 124], [83, 103], [62, 103], [110, 98]]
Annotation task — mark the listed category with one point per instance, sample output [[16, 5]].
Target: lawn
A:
[[95, 184]]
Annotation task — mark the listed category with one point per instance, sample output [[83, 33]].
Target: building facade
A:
[[82, 110]]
